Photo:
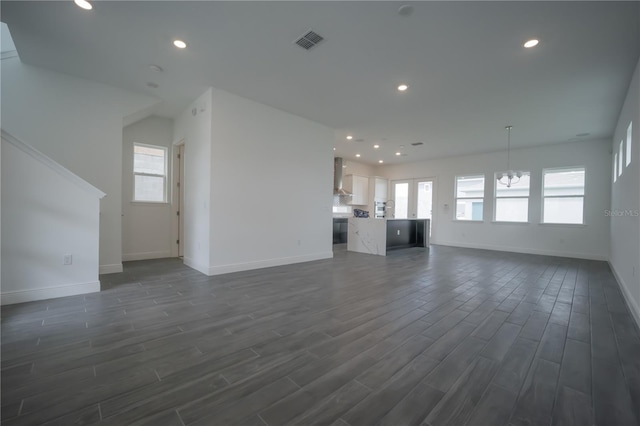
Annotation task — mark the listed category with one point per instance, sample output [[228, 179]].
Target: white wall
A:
[[625, 200], [78, 123], [146, 227], [45, 215], [193, 127], [271, 186], [588, 241], [351, 167]]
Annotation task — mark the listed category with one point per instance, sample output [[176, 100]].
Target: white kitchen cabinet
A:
[[359, 187], [381, 188]]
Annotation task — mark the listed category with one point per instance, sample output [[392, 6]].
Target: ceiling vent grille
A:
[[310, 39], [417, 144]]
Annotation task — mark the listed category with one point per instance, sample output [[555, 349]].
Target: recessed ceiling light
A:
[[531, 43], [398, 153], [380, 161], [155, 68], [358, 155], [83, 4], [152, 85], [334, 149], [349, 137], [403, 87], [376, 146], [179, 44]]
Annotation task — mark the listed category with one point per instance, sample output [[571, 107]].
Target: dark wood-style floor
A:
[[441, 337]]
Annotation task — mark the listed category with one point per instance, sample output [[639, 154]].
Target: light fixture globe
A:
[[510, 177]]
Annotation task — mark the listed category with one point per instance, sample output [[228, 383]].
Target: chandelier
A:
[[510, 177]]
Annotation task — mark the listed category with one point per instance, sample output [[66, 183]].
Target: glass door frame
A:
[[412, 210]]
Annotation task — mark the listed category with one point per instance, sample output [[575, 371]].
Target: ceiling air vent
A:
[[310, 39], [417, 144]]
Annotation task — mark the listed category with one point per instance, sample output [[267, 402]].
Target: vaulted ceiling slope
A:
[[467, 70]]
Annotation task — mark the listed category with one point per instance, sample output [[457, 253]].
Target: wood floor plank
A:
[[535, 402], [381, 401], [449, 334], [459, 402], [448, 371], [494, 407], [515, 366], [302, 400], [395, 361], [572, 408], [330, 409]]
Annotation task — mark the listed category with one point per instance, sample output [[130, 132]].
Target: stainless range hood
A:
[[337, 178]]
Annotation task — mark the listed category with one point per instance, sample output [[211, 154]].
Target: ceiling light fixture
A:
[[398, 153], [403, 87], [380, 161], [531, 43], [349, 137], [179, 44], [83, 4], [510, 177], [376, 146], [358, 155]]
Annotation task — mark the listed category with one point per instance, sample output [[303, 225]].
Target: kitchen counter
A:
[[378, 236], [367, 235]]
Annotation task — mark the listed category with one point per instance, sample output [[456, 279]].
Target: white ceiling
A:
[[468, 73]]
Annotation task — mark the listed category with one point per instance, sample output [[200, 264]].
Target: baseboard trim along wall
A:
[[21, 296], [268, 263], [146, 255], [572, 255], [631, 303], [195, 265], [110, 269]]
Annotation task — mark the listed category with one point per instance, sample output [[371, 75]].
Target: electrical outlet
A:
[[67, 259]]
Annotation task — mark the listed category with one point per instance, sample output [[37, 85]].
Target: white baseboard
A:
[[21, 296], [631, 302], [195, 265], [110, 269], [557, 253], [268, 263], [146, 255]]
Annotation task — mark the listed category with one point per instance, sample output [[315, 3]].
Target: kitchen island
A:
[[377, 236]]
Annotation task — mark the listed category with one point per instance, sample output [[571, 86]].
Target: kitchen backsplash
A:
[[340, 204]]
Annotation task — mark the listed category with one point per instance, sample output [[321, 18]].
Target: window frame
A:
[[164, 176], [620, 158], [544, 197], [456, 198], [629, 144], [495, 199]]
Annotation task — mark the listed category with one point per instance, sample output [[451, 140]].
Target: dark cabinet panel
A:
[[407, 233], [340, 228]]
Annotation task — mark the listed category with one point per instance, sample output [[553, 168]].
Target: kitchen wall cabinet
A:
[[381, 188], [359, 187]]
